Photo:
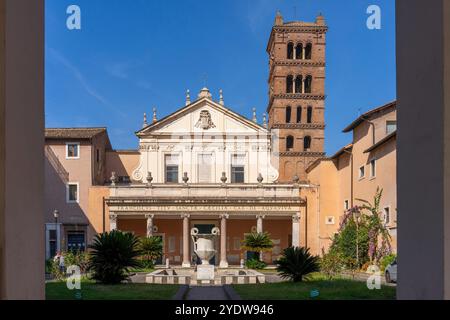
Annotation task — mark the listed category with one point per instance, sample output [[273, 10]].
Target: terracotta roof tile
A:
[[72, 133]]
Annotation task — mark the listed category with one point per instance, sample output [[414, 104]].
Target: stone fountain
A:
[[205, 273], [204, 249]]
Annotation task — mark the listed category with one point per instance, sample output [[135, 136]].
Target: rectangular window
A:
[[391, 126], [362, 172], [237, 168], [329, 220], [204, 168], [346, 205], [171, 172], [52, 242], [76, 241], [373, 168], [387, 215], [73, 150], [72, 192]]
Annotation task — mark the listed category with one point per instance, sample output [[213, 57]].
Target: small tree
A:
[[112, 255], [331, 263], [379, 237], [151, 249], [297, 264], [257, 242]]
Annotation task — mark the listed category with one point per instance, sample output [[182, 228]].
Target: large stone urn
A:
[[204, 249]]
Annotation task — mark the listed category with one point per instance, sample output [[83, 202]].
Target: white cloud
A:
[[60, 58]]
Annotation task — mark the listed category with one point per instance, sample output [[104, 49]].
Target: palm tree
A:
[[297, 264], [112, 255], [151, 249], [257, 242]]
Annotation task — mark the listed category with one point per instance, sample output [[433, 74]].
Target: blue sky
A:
[[133, 55]]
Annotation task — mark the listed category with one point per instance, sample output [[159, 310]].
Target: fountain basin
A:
[[190, 277]]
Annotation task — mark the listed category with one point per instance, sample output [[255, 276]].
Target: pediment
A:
[[203, 117]]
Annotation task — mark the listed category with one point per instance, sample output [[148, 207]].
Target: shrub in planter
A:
[[257, 242], [151, 249], [255, 264], [297, 264], [112, 255]]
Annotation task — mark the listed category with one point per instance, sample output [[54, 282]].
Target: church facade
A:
[[206, 166]]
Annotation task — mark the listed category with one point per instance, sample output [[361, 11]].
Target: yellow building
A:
[[354, 172]]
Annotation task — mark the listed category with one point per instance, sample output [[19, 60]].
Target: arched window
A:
[[299, 114], [308, 84], [299, 51], [307, 143], [308, 51], [309, 115], [289, 84], [290, 50], [289, 143], [288, 114], [298, 84]]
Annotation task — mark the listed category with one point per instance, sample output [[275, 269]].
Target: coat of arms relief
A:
[[205, 121]]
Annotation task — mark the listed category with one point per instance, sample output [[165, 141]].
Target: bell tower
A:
[[296, 94]]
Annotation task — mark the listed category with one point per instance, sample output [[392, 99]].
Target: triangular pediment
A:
[[203, 116]]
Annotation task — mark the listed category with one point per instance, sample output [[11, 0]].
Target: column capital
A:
[[224, 216], [149, 215], [185, 215], [260, 216], [296, 218], [113, 216]]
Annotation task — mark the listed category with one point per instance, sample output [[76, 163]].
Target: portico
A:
[[170, 211]]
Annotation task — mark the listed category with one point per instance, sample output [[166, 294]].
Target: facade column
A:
[[112, 222], [303, 52], [223, 241], [186, 261], [303, 85], [149, 224], [296, 230]]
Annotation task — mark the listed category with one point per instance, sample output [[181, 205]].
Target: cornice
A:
[[301, 154], [298, 126], [294, 63]]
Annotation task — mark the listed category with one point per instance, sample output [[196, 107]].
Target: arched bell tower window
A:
[[298, 84], [308, 51], [307, 143], [289, 143], [308, 84], [299, 114], [290, 50], [309, 115], [288, 114], [289, 84], [299, 51]]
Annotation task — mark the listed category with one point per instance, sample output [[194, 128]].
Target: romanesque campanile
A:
[[297, 94]]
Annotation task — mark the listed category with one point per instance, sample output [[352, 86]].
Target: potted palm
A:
[[257, 243]]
